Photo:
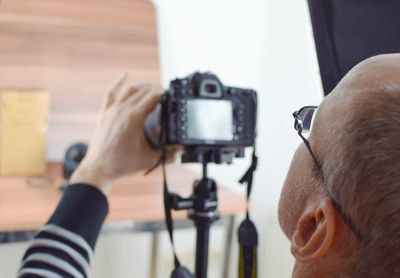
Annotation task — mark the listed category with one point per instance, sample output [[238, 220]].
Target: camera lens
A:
[[211, 88]]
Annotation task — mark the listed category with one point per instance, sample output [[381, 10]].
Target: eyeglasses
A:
[[303, 123]]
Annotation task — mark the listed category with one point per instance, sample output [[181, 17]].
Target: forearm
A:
[[64, 246]]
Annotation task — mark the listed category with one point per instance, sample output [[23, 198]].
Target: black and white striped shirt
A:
[[64, 246]]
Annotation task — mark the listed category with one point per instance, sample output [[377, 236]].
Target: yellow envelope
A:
[[23, 132]]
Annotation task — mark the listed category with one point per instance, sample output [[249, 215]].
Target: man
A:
[[340, 205]]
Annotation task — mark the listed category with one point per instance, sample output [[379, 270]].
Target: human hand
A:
[[119, 146]]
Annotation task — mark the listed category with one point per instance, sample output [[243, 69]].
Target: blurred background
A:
[[75, 49]]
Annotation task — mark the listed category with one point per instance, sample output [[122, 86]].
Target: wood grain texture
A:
[[76, 49], [27, 204]]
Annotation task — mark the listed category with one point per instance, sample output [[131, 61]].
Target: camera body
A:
[[205, 117]]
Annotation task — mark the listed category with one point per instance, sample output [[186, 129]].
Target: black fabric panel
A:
[[349, 31], [82, 210], [321, 19]]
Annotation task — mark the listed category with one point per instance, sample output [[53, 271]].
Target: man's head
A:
[[356, 139]]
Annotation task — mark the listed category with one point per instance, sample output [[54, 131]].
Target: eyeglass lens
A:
[[306, 115]]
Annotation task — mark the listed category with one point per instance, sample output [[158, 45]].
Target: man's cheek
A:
[[288, 191], [284, 208]]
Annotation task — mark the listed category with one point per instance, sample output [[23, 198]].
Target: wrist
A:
[[91, 175]]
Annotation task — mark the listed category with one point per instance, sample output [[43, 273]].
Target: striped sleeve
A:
[[64, 246]]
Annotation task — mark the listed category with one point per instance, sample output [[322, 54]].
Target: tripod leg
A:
[[202, 242], [228, 246], [154, 265], [204, 213]]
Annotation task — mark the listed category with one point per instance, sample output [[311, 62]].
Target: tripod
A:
[[202, 209]]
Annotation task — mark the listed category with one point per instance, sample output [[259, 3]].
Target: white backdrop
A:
[[263, 44]]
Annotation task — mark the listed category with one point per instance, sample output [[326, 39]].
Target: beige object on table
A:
[[23, 132]]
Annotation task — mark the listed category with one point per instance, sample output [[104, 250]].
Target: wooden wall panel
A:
[[75, 49]]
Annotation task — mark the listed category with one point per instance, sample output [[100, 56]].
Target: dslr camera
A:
[[213, 122]]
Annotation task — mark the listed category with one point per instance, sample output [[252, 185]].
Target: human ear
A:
[[315, 231]]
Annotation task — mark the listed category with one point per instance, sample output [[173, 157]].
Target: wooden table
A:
[[27, 203]]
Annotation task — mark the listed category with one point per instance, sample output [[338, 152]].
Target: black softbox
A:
[[349, 31]]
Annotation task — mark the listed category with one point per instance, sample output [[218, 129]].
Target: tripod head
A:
[[211, 154]]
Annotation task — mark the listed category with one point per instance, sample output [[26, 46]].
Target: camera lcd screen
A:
[[210, 120]]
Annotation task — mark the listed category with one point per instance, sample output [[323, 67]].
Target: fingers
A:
[[125, 94], [132, 91], [145, 100], [115, 89], [149, 102]]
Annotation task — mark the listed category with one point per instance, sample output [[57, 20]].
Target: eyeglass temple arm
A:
[[307, 143]]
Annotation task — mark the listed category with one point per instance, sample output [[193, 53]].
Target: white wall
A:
[[263, 44]]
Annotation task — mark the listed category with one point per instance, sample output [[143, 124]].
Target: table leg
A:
[[154, 264], [228, 246]]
